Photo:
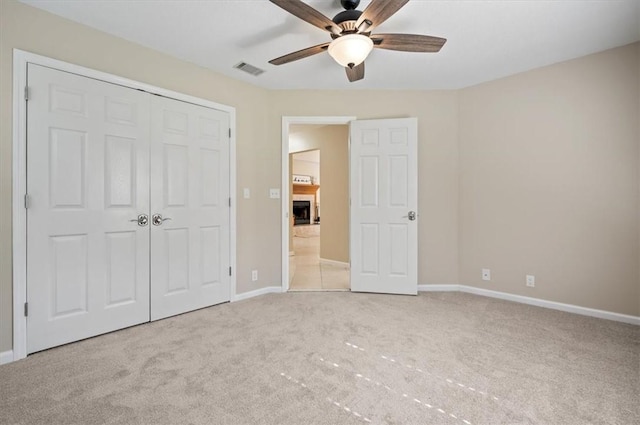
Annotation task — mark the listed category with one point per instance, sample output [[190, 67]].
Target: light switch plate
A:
[[531, 281], [274, 193], [246, 193]]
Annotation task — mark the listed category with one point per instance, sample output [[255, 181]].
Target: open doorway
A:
[[319, 257], [316, 198]]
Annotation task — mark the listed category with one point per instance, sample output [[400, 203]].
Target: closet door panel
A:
[[87, 179], [190, 200]]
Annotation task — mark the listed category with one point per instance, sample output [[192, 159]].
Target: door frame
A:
[[19, 173], [285, 195]]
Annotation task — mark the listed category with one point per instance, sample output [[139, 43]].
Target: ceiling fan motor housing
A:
[[347, 19]]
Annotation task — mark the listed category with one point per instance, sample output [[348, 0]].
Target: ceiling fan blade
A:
[[356, 73], [300, 54], [408, 42], [309, 14], [379, 11]]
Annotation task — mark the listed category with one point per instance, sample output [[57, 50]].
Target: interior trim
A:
[[257, 293], [333, 262], [6, 357], [569, 308]]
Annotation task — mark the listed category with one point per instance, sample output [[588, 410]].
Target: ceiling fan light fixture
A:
[[350, 50]]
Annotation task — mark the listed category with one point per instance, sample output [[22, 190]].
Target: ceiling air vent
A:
[[253, 70]]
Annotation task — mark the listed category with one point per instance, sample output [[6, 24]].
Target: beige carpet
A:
[[339, 358]]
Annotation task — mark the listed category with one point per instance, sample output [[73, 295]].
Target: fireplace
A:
[[301, 212]]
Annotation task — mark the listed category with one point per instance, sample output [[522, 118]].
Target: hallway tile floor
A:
[[307, 273]]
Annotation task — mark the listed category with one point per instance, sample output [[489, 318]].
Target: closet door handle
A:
[[157, 219], [142, 220]]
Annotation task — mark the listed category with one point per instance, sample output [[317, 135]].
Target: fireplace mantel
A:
[[305, 189]]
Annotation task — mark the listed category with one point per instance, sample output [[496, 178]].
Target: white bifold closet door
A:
[[102, 161], [190, 194], [87, 177]]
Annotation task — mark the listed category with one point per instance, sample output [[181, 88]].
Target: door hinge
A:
[[229, 201], [229, 270], [26, 309], [27, 201], [26, 93], [229, 132]]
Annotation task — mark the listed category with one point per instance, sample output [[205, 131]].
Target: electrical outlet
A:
[[531, 280], [274, 193], [486, 274], [254, 275], [246, 193]]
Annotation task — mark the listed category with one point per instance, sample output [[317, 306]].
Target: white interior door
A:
[[190, 191], [384, 202], [87, 178]]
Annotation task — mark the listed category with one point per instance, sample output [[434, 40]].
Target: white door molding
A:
[[19, 173], [285, 195]]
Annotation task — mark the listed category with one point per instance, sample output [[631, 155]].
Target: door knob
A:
[[157, 219], [142, 220], [411, 216]]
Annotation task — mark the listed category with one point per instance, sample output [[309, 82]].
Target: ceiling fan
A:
[[351, 34]]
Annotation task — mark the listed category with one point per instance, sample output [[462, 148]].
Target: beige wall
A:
[[334, 215], [258, 159], [333, 143], [549, 182]]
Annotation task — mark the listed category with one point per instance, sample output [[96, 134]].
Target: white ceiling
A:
[[486, 39]]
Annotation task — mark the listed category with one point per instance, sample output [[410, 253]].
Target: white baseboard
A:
[[438, 288], [333, 262], [570, 308], [6, 357], [257, 293]]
